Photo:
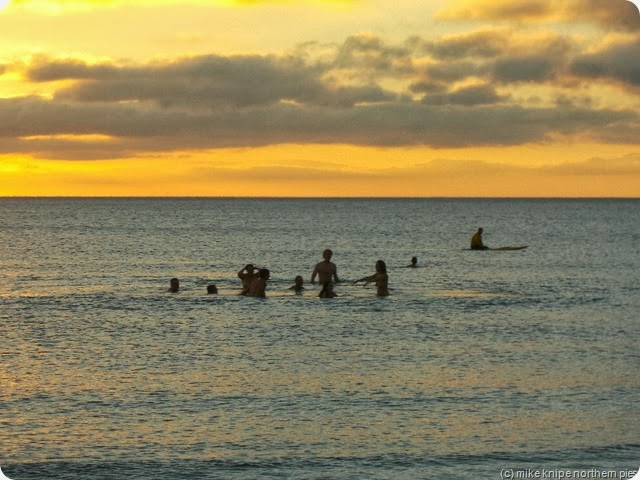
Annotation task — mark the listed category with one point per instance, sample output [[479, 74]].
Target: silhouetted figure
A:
[[381, 278], [298, 285], [325, 270], [212, 289], [327, 291], [476, 241], [174, 285], [259, 285], [247, 274], [414, 262]]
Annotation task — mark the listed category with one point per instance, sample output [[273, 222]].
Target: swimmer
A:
[[325, 270], [327, 291], [212, 289], [381, 278], [298, 285], [174, 285], [414, 262]]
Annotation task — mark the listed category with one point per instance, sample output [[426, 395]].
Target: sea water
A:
[[479, 365]]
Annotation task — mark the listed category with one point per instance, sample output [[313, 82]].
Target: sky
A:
[[320, 98]]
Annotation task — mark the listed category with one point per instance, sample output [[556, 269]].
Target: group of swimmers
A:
[[327, 274], [254, 280]]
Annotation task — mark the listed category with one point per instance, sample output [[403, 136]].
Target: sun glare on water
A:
[[4, 3]]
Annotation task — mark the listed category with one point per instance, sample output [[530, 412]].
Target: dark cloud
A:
[[504, 10], [428, 86], [390, 124], [205, 82], [370, 53], [68, 149], [467, 96], [446, 93], [619, 62], [499, 56], [616, 14], [610, 14], [45, 70], [513, 10], [449, 72], [530, 68], [477, 44]]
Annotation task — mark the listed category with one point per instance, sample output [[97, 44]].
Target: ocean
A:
[[479, 365]]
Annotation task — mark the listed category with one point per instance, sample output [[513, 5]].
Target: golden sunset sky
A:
[[321, 98]]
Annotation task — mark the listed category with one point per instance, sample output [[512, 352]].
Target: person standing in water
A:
[[325, 270], [259, 285], [248, 274], [381, 278], [476, 241], [414, 262]]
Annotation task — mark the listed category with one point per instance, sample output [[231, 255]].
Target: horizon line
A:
[[286, 197]]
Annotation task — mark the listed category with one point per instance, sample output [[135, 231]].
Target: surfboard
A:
[[499, 249]]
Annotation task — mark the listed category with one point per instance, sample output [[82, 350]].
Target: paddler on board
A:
[[476, 241]]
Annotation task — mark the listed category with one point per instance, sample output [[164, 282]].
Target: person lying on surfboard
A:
[[476, 241]]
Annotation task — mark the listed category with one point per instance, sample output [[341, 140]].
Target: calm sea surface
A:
[[478, 361]]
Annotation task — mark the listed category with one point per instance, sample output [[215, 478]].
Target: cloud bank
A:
[[610, 14], [491, 86]]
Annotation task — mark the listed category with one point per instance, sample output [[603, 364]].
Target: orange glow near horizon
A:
[[323, 171]]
